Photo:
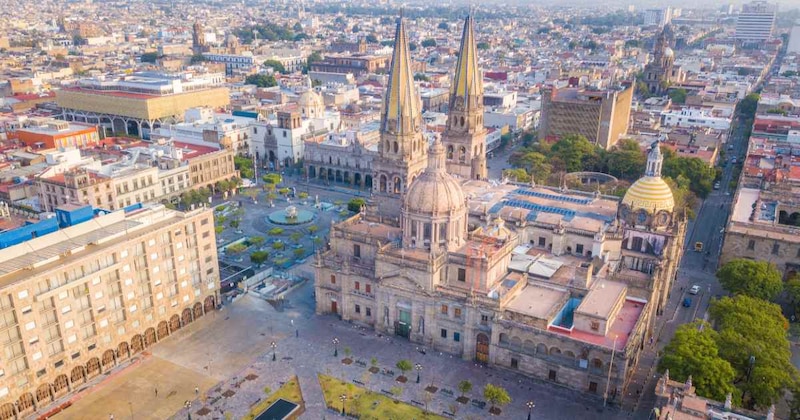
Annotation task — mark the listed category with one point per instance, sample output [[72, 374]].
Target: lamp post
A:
[[418, 368], [530, 406], [188, 405], [343, 398], [335, 347], [274, 346], [610, 364]]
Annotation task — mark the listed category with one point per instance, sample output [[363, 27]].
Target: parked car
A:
[[694, 290], [687, 302], [716, 185]]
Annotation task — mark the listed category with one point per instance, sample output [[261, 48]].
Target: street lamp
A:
[[335, 347], [418, 367], [530, 406], [274, 346], [610, 364], [188, 405], [343, 398]]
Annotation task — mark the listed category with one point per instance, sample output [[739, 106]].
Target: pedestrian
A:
[[296, 333], [196, 391], [156, 392]]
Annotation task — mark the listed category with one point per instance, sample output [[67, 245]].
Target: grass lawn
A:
[[369, 405], [290, 391]]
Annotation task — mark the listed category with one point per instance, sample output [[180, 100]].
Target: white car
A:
[[694, 290]]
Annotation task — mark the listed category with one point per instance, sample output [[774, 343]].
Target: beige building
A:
[[206, 168], [563, 286], [77, 186], [78, 301], [602, 116]]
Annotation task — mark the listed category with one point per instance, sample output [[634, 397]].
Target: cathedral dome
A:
[[650, 192], [434, 191], [310, 99], [668, 52]]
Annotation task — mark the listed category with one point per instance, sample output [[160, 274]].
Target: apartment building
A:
[[85, 291]]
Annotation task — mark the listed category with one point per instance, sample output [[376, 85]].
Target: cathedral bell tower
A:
[[464, 138], [402, 152]]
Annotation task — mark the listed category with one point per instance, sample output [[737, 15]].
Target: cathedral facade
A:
[[560, 285], [662, 72]]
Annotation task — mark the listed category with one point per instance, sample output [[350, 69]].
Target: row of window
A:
[[776, 247]]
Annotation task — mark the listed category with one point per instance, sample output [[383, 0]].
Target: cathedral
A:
[[559, 285], [662, 72]]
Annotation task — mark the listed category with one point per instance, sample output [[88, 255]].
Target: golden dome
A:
[[650, 193]]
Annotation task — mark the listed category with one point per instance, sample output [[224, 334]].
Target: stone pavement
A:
[[312, 353]]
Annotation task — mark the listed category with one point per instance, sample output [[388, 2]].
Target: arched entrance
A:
[[357, 179], [312, 171], [175, 323], [92, 367], [78, 375], [149, 337], [123, 350], [368, 181], [198, 310], [25, 403], [43, 393], [186, 316], [482, 348], [163, 330], [7, 411], [60, 385], [108, 357], [209, 304], [137, 344]]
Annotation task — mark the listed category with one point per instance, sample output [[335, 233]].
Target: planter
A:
[[462, 400], [402, 379], [495, 411], [347, 361], [432, 389], [374, 370]]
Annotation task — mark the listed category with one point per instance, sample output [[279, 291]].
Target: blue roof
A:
[[557, 197]]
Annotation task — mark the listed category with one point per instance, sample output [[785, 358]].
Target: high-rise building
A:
[[464, 138], [794, 40], [84, 291], [657, 17], [602, 116], [402, 151], [756, 22]]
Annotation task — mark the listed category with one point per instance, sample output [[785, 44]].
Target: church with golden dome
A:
[[559, 285]]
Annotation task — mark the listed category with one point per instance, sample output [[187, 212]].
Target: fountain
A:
[[290, 216]]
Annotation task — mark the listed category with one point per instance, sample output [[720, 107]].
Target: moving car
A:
[[687, 302], [694, 290]]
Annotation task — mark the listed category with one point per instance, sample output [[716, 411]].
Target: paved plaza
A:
[[227, 356]]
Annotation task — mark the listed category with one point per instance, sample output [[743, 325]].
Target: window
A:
[[595, 325], [457, 312], [443, 310], [444, 333], [358, 286], [751, 244], [593, 387], [579, 249], [514, 363], [456, 337], [358, 309], [775, 248], [76, 355], [542, 241], [551, 375], [357, 250], [462, 274], [333, 279], [59, 363], [484, 319], [368, 288], [369, 311]]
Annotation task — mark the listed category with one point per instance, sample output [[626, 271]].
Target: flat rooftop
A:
[[601, 299], [620, 329], [538, 301]]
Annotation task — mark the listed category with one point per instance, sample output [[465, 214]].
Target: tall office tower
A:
[[756, 22]]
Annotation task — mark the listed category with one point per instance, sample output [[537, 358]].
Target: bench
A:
[[386, 392], [447, 391], [417, 403], [478, 403], [356, 381], [448, 414]]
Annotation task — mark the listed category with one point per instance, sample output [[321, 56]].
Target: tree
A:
[[297, 27], [219, 229], [149, 57], [272, 178], [313, 229], [537, 165], [356, 29], [678, 96], [496, 395], [792, 288], [625, 162], [412, 46], [355, 204], [261, 80], [372, 39], [748, 105], [483, 46], [234, 223], [421, 77], [278, 245], [275, 231], [576, 153], [789, 73], [404, 366], [464, 387], [430, 42], [752, 338], [314, 57], [256, 240], [632, 43], [698, 172], [259, 257], [299, 252], [197, 58], [236, 248], [296, 236], [444, 26], [694, 352], [758, 279], [275, 65], [517, 174]]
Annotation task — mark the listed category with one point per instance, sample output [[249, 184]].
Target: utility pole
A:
[[610, 365]]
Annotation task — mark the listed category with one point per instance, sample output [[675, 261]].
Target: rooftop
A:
[[538, 301], [621, 327]]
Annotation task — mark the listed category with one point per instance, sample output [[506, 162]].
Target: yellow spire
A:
[[401, 104], [468, 80]]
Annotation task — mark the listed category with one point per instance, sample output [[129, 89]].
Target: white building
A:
[[756, 22], [693, 117], [657, 17], [794, 40], [203, 127]]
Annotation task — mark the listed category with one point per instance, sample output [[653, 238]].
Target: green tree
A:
[[626, 161], [275, 65], [496, 395], [244, 166], [758, 279], [235, 248], [444, 26], [517, 175], [355, 204], [272, 178], [678, 96], [259, 257], [421, 77], [261, 80], [356, 29], [748, 105], [464, 387], [372, 39], [275, 231], [694, 352], [197, 58], [698, 172], [483, 46], [537, 165], [278, 245], [295, 236], [313, 229], [256, 240], [752, 329], [576, 153], [299, 252], [792, 288], [430, 42], [404, 366], [219, 229], [234, 223], [632, 43], [149, 57]]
